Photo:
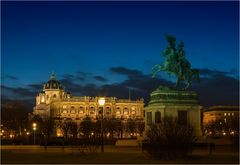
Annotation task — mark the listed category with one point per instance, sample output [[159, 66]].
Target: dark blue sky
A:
[[86, 40]]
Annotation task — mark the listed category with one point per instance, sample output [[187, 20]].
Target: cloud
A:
[[131, 73], [70, 85], [208, 72], [217, 89], [100, 78], [36, 87], [68, 76], [77, 77], [16, 93], [9, 77], [83, 74]]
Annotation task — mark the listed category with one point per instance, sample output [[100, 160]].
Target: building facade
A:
[[53, 102], [223, 113]]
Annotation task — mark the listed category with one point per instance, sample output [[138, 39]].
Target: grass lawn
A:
[[110, 156]]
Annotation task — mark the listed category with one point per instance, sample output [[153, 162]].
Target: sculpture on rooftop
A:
[[176, 63]]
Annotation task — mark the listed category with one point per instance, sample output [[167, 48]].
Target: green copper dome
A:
[[166, 95], [53, 83]]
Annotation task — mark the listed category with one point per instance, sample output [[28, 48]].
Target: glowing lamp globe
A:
[[101, 101]]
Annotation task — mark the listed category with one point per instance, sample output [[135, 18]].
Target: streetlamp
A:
[[101, 102], [34, 129]]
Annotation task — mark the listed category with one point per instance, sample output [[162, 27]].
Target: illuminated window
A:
[[133, 112], [64, 107], [232, 114], [229, 114], [125, 111], [133, 108], [225, 114], [81, 110], [118, 113], [72, 109], [42, 99]]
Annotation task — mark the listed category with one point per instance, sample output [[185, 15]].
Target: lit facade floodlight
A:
[[101, 101]]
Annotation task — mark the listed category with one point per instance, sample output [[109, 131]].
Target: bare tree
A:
[[131, 126], [65, 128], [73, 129], [86, 127], [140, 126], [47, 127], [169, 139]]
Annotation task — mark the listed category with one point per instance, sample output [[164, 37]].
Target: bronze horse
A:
[[176, 63]]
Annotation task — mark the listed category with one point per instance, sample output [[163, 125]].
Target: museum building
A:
[[53, 102]]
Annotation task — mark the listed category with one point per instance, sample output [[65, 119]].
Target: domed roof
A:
[[165, 96], [53, 83]]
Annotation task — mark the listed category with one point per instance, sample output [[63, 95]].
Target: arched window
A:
[[72, 109], [81, 110], [125, 111], [92, 110], [157, 117], [108, 110], [42, 99], [54, 96]]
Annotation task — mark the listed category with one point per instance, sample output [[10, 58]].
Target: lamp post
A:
[[34, 129], [101, 102]]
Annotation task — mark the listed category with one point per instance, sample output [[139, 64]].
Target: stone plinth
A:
[[166, 102]]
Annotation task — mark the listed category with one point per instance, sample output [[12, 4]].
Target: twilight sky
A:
[[108, 47]]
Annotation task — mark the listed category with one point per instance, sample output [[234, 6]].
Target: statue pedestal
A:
[[166, 102]]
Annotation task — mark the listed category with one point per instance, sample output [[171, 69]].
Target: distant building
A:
[[223, 113], [54, 103], [220, 121]]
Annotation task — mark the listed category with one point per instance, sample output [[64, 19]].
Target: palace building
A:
[[53, 102], [216, 113]]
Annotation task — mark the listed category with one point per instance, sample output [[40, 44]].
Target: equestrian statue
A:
[[176, 64]]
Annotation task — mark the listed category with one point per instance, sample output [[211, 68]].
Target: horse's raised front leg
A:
[[177, 83], [157, 68], [188, 84]]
